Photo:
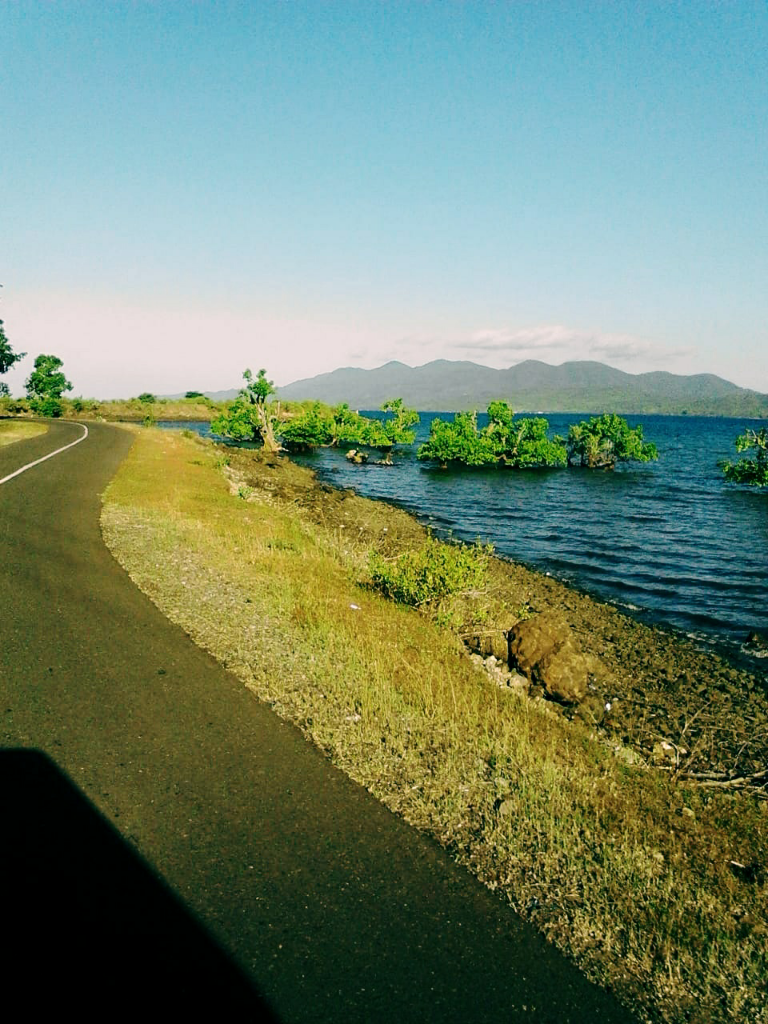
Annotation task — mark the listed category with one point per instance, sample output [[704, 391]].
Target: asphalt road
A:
[[160, 775]]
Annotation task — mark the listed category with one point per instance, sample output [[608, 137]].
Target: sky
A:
[[192, 188]]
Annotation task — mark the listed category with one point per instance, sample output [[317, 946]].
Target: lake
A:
[[670, 541]]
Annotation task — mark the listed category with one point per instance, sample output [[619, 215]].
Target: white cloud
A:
[[563, 343]]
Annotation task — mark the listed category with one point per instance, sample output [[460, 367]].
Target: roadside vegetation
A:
[[13, 430], [354, 624]]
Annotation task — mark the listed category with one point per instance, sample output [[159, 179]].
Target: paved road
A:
[[324, 900]]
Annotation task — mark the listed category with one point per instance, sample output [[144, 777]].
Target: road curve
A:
[[325, 901]]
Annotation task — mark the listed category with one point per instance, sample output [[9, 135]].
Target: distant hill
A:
[[530, 386]]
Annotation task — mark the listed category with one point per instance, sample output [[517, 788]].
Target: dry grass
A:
[[14, 430], [621, 867]]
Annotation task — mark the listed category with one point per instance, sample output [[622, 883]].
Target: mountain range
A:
[[530, 386]]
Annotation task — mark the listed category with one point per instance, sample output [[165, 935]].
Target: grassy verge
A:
[[623, 867], [11, 431]]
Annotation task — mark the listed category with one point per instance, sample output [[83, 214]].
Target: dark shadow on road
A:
[[86, 925]]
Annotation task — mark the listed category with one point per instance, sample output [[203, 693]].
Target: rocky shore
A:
[[681, 709]]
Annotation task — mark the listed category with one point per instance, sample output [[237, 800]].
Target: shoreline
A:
[[606, 852], [731, 652]]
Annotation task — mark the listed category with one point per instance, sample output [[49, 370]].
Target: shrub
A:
[[430, 573], [49, 405], [749, 471]]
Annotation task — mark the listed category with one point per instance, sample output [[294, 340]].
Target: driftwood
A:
[[757, 781]]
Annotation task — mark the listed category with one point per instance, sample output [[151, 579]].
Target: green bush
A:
[[752, 471], [48, 405], [435, 571]]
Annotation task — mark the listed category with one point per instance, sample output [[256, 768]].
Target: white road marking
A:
[[37, 462]]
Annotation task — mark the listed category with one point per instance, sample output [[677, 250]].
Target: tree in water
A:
[[602, 441], [395, 429], [749, 471], [250, 416], [312, 428], [505, 441]]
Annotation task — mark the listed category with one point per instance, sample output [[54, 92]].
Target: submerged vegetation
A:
[[617, 827]]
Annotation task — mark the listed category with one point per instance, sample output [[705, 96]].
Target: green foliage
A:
[[518, 444], [393, 430], [430, 573], [7, 356], [320, 425], [523, 443], [147, 398], [46, 384], [194, 394], [458, 441], [348, 425], [313, 428], [257, 391], [81, 404], [749, 471], [249, 417], [602, 441], [48, 405]]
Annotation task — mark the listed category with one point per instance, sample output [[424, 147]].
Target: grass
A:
[[623, 868], [11, 431]]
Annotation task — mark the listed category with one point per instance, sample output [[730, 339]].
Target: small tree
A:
[[313, 428], [458, 441], [249, 416], [46, 384], [505, 441], [522, 443], [602, 441], [749, 471], [194, 394], [347, 425], [385, 434], [7, 357]]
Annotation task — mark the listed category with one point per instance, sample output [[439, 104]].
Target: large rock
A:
[[545, 651]]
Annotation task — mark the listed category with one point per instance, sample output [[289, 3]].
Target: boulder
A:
[[545, 651], [532, 639], [757, 642], [563, 673]]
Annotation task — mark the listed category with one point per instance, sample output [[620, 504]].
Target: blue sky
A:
[[192, 188]]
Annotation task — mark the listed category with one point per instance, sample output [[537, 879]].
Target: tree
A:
[[313, 428], [505, 441], [7, 356], [602, 441], [249, 416], [522, 443], [46, 384], [458, 441], [393, 430], [347, 425], [147, 398], [749, 471], [194, 394]]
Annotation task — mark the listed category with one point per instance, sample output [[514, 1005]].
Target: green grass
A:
[[14, 430], [620, 866]]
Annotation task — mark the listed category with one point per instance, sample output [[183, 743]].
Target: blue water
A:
[[669, 541]]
